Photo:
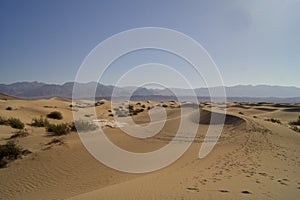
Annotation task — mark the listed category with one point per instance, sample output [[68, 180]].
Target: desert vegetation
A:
[[273, 120], [58, 129], [20, 134], [296, 122], [39, 122], [55, 115], [9, 151], [8, 108], [12, 122]]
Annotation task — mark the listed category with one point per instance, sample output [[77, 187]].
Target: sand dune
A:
[[253, 159]]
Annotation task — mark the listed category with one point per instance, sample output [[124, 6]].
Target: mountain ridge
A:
[[38, 90]]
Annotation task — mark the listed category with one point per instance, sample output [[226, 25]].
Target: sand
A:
[[253, 159]]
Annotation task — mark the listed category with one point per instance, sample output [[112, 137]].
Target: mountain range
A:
[[38, 90]]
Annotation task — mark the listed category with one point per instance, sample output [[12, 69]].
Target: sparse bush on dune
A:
[[58, 129], [20, 134], [296, 123], [55, 115], [3, 121], [15, 123], [56, 141], [80, 125], [295, 128], [273, 120], [8, 108], [9, 151], [39, 122]]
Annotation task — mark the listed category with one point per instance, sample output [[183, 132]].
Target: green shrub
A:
[[59, 129], [8, 108], [55, 115], [84, 126], [10, 150], [297, 122], [15, 123], [39, 122]]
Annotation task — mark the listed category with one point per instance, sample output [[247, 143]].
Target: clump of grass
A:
[[84, 126], [8, 108], [20, 134], [9, 151], [58, 129], [55, 115], [273, 120], [13, 122], [296, 123], [39, 122]]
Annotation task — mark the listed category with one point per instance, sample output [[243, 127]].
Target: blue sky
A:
[[252, 42]]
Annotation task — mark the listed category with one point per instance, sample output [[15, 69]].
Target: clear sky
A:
[[252, 42]]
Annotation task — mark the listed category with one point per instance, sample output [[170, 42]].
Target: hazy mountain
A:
[[36, 90]]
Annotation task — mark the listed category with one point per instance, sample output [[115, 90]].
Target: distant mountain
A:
[[37, 90]]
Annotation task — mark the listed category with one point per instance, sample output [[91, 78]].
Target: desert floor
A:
[[253, 159]]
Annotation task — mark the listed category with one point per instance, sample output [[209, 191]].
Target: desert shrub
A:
[[273, 120], [20, 133], [15, 123], [10, 150], [56, 141], [254, 116], [143, 106], [55, 115], [39, 122], [58, 129], [3, 121], [80, 125], [241, 113], [297, 122], [8, 108], [111, 115], [130, 107], [165, 105], [295, 128]]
